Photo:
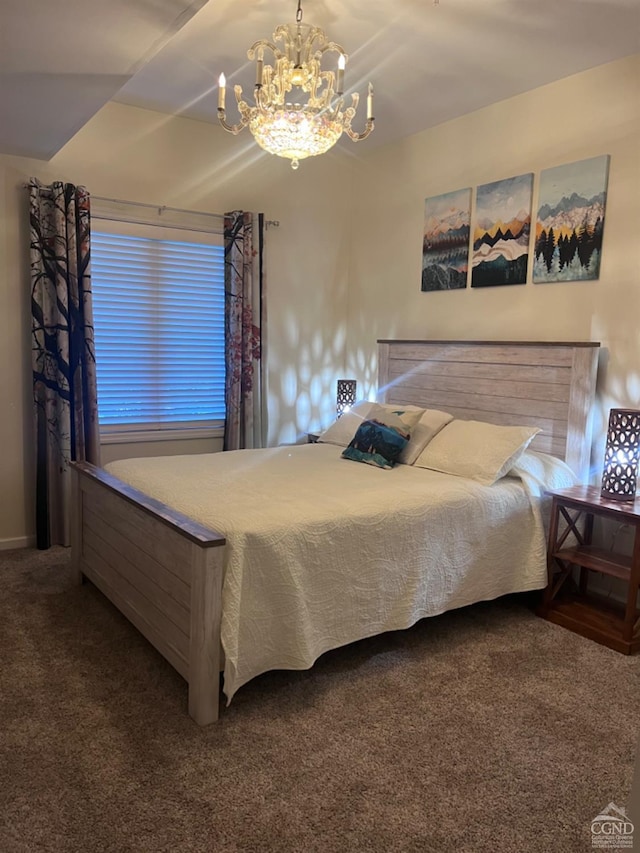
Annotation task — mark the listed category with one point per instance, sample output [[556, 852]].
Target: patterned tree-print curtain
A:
[[63, 355], [244, 324]]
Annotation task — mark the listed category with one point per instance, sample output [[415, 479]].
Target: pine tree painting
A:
[[570, 221]]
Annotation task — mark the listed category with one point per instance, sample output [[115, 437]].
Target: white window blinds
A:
[[159, 327]]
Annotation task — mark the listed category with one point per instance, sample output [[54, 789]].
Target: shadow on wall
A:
[[618, 384]]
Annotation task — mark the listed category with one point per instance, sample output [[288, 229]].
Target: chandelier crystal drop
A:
[[299, 109]]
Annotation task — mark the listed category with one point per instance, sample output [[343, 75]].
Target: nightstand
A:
[[573, 607]]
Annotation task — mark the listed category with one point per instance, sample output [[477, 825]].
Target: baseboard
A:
[[19, 542]]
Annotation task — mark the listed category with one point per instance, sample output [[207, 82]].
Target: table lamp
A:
[[620, 473], [346, 395]]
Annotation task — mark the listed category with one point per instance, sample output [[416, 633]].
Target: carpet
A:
[[485, 729]]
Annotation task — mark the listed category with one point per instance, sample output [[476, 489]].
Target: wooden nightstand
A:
[[599, 619]]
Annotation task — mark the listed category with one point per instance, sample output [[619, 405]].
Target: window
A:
[[158, 301]]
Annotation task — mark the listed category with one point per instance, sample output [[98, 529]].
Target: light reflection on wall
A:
[[302, 387]]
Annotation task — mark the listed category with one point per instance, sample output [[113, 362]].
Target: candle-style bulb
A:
[[370, 102], [222, 82], [340, 81]]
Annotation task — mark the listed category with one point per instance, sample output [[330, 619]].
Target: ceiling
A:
[[61, 62]]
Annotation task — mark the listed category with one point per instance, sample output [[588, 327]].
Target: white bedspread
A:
[[322, 551]]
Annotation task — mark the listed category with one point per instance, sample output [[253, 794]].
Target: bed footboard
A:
[[162, 570]]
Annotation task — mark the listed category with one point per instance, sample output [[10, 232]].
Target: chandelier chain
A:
[[299, 13]]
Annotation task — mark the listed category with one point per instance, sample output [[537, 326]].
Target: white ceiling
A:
[[61, 62]]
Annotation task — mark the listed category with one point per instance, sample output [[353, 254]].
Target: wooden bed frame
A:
[[164, 571]]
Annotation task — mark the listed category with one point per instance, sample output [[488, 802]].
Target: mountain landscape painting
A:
[[501, 232], [570, 221], [445, 243]]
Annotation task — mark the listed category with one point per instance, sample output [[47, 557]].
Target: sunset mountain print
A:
[[445, 242], [501, 232]]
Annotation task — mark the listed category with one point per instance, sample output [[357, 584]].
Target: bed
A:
[[264, 559]]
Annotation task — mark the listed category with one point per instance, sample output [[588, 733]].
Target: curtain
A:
[[63, 355], [244, 329]]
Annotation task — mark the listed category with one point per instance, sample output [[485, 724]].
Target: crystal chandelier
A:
[[296, 130]]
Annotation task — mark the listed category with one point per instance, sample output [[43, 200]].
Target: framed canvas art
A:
[[445, 243], [501, 232], [570, 221]]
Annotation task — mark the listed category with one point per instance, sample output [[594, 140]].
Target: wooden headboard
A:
[[549, 385]]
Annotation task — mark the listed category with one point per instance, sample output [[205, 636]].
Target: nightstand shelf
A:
[[603, 620], [597, 559]]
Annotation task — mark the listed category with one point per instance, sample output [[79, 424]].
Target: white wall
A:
[[596, 112], [143, 156]]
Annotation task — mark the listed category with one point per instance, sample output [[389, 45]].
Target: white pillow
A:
[[429, 425], [345, 427], [477, 450]]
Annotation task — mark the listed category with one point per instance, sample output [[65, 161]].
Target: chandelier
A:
[[291, 128]]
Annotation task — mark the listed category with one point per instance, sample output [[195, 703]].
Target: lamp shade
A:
[[620, 472], [346, 395]]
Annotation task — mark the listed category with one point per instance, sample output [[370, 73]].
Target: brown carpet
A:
[[486, 729]]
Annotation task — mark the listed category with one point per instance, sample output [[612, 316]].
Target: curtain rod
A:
[[269, 223], [159, 207]]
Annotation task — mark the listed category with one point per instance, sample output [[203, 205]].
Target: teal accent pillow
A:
[[381, 438]]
